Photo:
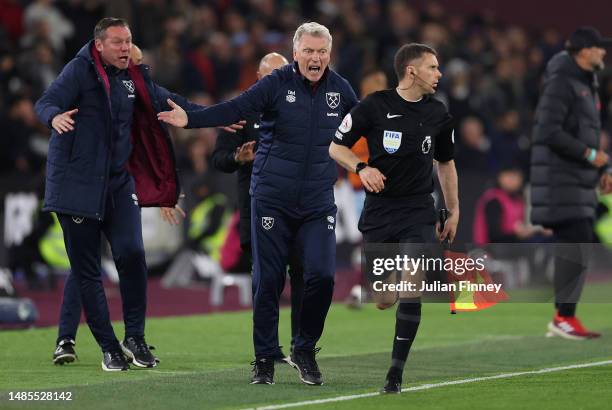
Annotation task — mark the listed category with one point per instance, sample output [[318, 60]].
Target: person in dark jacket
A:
[[235, 151], [301, 105], [108, 156], [70, 311], [567, 164]]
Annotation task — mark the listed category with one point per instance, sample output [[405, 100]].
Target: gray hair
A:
[[313, 29]]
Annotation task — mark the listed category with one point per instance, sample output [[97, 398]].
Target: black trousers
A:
[[570, 262], [123, 228]]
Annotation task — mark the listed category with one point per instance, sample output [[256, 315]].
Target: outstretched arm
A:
[[249, 104]]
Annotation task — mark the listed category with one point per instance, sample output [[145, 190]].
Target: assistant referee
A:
[[406, 130]]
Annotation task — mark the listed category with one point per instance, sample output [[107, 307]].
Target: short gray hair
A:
[[313, 29]]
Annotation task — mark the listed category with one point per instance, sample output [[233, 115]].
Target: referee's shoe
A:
[[393, 383], [263, 371], [64, 352], [138, 352], [306, 365]]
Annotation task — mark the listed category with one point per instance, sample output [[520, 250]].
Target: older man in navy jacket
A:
[[108, 156], [301, 105]]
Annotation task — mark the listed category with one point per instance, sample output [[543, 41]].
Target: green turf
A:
[[205, 363]]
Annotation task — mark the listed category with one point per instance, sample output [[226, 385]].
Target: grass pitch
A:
[[205, 363]]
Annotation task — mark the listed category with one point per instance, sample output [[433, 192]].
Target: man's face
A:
[[426, 73], [115, 47], [312, 55], [596, 57]]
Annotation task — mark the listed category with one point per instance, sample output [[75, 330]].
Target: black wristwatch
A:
[[360, 166]]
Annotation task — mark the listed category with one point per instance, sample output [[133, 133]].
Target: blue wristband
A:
[[592, 155]]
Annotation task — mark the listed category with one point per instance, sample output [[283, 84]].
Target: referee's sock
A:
[[407, 321]]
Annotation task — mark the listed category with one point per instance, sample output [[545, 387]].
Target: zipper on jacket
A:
[[313, 130], [104, 178]]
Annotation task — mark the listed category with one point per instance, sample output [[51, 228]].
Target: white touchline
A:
[[434, 385]]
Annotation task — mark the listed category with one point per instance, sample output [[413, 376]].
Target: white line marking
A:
[[434, 385]]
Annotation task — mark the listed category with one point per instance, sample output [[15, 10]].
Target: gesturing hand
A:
[[245, 153], [63, 122], [176, 117], [234, 127], [168, 214]]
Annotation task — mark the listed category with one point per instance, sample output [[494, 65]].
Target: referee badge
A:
[[392, 141], [267, 222]]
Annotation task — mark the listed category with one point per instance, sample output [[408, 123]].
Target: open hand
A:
[[234, 127], [63, 122], [245, 153], [170, 214], [176, 117]]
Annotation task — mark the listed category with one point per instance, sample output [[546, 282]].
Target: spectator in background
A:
[[474, 171], [39, 67], [500, 212], [43, 19], [20, 129], [509, 144]]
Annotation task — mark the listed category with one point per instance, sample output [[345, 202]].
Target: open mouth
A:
[[314, 69], [124, 59]]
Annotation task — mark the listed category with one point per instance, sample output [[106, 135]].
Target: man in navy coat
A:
[[301, 105], [108, 156]]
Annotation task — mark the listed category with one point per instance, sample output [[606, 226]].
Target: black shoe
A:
[[393, 383], [114, 361], [151, 347], [306, 365], [137, 351], [263, 371], [64, 352]]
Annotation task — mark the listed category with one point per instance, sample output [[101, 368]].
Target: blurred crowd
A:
[[209, 51]]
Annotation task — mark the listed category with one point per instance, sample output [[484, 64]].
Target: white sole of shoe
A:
[[65, 358], [270, 384], [555, 331], [106, 369], [296, 367], [133, 360]]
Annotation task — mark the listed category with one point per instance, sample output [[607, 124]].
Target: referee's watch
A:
[[360, 166]]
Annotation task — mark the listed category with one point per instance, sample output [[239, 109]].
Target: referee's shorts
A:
[[409, 221], [398, 220]]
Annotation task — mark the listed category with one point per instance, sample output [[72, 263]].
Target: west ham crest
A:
[[129, 84], [267, 222], [333, 100]]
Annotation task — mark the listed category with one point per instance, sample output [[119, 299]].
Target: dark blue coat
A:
[[78, 162], [292, 165]]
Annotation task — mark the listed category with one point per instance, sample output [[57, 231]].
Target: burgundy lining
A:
[[151, 161]]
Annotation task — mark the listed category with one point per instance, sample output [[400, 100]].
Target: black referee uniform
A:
[[403, 140]]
